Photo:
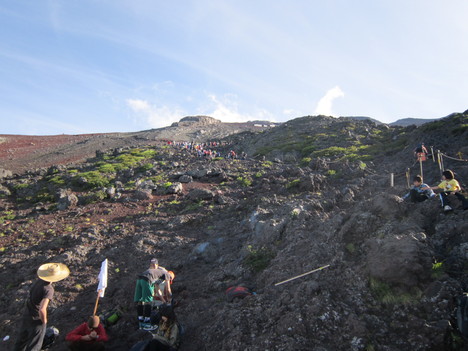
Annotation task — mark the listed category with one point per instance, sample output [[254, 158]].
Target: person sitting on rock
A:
[[167, 337], [88, 336], [417, 194], [449, 185], [145, 290]]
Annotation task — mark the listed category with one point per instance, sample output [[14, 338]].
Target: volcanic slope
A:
[[314, 192]]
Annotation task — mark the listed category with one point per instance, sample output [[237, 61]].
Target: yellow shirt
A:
[[450, 185]]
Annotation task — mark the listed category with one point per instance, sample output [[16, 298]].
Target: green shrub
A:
[[146, 167], [107, 168], [57, 180], [306, 161], [244, 181], [94, 179], [384, 293], [258, 259], [293, 184], [7, 216], [438, 270], [95, 197]]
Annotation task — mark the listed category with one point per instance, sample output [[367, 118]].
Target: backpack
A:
[[462, 315], [237, 292], [51, 334]]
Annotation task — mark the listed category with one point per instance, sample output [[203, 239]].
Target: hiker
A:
[[90, 336], [417, 194], [165, 289], [167, 338], [449, 185], [34, 321], [145, 290], [420, 152]]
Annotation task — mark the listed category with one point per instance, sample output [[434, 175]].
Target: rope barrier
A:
[[453, 158]]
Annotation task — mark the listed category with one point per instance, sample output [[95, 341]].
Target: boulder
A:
[[143, 194], [5, 173], [185, 178], [4, 191], [198, 173], [200, 194], [66, 199], [399, 260], [175, 188]]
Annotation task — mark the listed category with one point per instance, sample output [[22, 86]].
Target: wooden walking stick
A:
[[302, 275]]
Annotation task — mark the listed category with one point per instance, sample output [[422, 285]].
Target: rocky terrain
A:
[[313, 191]]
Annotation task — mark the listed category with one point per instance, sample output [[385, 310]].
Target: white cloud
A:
[[324, 106], [226, 109], [155, 116]]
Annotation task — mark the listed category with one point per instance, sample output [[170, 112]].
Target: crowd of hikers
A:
[[154, 307], [208, 150]]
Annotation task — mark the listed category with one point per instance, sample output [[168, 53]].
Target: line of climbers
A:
[[208, 150], [154, 304]]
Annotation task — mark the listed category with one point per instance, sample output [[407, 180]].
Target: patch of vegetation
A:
[[7, 216], [351, 248], [146, 167], [94, 179], [167, 184], [258, 259], [94, 197], [244, 181], [259, 174], [438, 270], [293, 184], [57, 181], [194, 206], [331, 173], [305, 161], [107, 168], [462, 128], [384, 293]]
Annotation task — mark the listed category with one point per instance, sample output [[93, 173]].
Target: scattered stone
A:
[[66, 199], [186, 179], [200, 194], [143, 194], [175, 188]]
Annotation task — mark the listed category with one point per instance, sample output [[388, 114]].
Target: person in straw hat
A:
[[33, 326]]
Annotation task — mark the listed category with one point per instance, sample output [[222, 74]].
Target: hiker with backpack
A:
[[89, 336], [145, 290], [33, 326], [419, 191], [420, 152], [449, 185]]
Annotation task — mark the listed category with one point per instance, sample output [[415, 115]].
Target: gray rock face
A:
[[198, 173], [200, 194]]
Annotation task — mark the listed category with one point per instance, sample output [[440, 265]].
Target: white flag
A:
[[102, 278]]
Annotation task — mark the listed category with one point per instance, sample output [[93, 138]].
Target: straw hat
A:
[[53, 272]]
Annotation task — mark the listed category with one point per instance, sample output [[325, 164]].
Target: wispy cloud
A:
[[226, 109], [155, 116], [325, 104]]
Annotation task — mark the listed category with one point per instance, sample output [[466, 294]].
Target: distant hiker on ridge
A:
[[420, 152], [145, 290], [33, 326]]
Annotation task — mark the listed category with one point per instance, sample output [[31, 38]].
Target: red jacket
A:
[[83, 329]]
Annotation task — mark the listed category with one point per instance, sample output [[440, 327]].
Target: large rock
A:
[[200, 194], [143, 194], [400, 260], [185, 178], [198, 173], [4, 191], [175, 188], [5, 173], [66, 199]]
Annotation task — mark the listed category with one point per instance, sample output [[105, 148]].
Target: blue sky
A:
[[114, 65]]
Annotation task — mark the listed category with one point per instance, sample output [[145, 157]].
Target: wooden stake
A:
[[391, 180], [302, 275], [96, 304], [408, 177], [421, 167]]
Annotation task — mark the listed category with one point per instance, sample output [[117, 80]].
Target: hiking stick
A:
[[302, 275], [96, 304], [420, 166]]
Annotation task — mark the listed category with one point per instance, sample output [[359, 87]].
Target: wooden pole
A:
[[432, 154], [391, 180], [421, 167], [96, 304], [408, 177], [302, 275]]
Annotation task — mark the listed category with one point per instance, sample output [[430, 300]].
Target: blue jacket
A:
[[429, 193]]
